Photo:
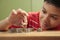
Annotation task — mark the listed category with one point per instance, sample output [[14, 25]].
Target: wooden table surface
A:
[[45, 35]]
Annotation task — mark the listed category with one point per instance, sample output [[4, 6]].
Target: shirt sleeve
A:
[[33, 20]]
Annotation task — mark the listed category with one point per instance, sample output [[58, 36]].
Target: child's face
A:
[[50, 16]]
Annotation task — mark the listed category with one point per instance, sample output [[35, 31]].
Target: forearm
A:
[[4, 24]]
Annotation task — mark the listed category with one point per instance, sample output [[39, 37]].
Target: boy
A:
[[47, 19]]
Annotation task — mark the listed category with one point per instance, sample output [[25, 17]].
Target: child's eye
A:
[[44, 11], [54, 17]]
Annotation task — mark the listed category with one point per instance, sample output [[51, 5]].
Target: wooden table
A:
[[46, 35]]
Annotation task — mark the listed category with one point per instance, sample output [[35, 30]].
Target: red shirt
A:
[[33, 21]]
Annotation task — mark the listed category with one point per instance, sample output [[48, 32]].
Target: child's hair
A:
[[56, 3]]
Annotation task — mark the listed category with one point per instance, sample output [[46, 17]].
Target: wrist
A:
[[7, 23]]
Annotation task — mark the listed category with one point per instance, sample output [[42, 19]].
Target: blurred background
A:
[[28, 5]]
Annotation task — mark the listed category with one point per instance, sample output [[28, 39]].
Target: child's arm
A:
[[16, 18], [4, 25]]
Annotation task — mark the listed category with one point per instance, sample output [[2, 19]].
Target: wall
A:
[[28, 5], [37, 5]]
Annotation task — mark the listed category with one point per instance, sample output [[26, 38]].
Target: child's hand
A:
[[18, 18]]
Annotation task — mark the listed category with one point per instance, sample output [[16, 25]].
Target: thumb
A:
[[13, 12]]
